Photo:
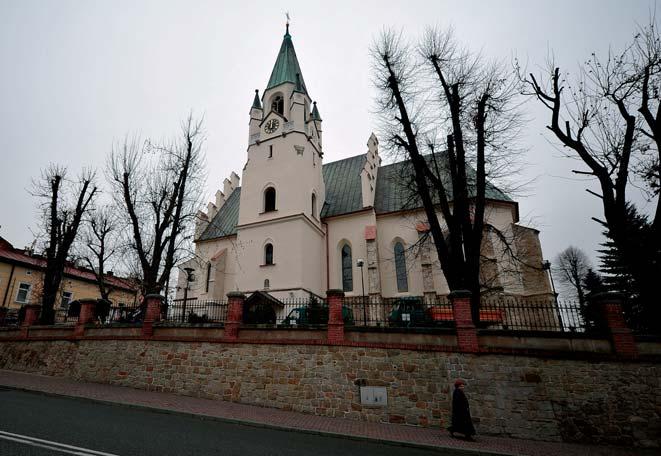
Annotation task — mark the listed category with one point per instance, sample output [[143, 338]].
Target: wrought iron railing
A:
[[403, 312], [195, 311], [538, 314], [288, 313]]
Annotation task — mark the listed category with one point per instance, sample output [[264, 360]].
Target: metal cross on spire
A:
[[287, 15]]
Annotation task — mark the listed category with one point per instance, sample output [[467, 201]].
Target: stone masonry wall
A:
[[518, 396]]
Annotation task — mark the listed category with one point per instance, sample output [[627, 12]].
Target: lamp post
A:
[[360, 264], [189, 279]]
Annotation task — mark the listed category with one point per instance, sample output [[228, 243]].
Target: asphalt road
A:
[[38, 425]]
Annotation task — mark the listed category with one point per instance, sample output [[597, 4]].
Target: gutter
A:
[[11, 276]]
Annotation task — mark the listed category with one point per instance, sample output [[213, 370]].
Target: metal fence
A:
[[289, 313], [195, 311], [404, 312]]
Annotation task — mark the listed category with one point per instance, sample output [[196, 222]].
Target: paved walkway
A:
[[274, 418]]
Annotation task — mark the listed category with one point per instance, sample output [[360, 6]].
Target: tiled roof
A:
[[343, 187], [18, 256], [225, 221], [344, 194]]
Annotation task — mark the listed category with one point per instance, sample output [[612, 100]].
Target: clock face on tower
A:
[[271, 126]]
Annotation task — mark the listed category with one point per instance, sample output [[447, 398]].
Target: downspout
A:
[[11, 276], [327, 260]]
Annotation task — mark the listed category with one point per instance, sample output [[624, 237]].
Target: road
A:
[[32, 424]]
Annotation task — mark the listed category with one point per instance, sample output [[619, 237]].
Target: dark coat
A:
[[461, 414]]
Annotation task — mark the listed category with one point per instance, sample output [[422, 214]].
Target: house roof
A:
[[20, 257], [286, 66], [225, 221], [344, 194]]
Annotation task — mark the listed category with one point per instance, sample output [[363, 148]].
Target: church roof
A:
[[343, 187], [286, 66], [344, 194], [393, 191], [225, 221]]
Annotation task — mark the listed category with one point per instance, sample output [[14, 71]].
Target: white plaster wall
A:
[[297, 247], [350, 228]]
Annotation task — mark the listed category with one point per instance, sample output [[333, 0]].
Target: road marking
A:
[[61, 447]]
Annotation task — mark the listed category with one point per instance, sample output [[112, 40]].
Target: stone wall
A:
[[520, 396]]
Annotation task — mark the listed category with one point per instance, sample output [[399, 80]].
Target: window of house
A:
[[206, 286], [267, 284], [268, 254], [314, 205], [67, 297], [23, 292], [269, 199], [278, 104], [347, 272], [400, 268]]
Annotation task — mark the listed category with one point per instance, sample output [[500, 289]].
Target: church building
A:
[[293, 226]]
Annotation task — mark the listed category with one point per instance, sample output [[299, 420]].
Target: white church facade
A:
[[293, 226]]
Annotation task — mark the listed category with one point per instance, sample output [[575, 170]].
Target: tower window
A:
[[347, 272], [269, 199], [271, 151], [314, 206], [267, 284], [400, 268], [268, 254], [278, 104]]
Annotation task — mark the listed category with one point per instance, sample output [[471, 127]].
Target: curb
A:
[[361, 438]]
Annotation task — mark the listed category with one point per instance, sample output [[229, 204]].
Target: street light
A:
[[360, 263], [189, 279]]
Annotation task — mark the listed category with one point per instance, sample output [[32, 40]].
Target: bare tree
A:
[[158, 188], [572, 266], [100, 245], [609, 118], [63, 205], [454, 139]]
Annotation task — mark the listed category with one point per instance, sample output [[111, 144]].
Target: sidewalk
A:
[[279, 419]]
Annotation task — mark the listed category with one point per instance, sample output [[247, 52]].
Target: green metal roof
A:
[[394, 190], [343, 187], [256, 103], [315, 112], [225, 221], [286, 66]]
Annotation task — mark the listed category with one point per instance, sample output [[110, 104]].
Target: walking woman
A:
[[461, 415]]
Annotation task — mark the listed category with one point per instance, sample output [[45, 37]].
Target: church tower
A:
[[280, 237]]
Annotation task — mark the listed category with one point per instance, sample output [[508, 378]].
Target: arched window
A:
[[400, 268], [269, 199], [267, 284], [278, 104], [347, 270], [206, 286], [314, 205], [268, 254]]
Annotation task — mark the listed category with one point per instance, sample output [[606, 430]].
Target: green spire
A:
[[286, 66], [256, 103], [315, 112]]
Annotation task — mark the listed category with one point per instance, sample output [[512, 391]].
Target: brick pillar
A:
[[335, 319], [86, 315], [463, 319], [235, 300], [152, 313], [622, 338], [32, 312]]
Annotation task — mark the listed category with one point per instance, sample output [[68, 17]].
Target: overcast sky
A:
[[78, 75]]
